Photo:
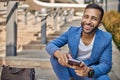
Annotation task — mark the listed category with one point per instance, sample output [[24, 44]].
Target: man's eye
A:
[[85, 16], [94, 18]]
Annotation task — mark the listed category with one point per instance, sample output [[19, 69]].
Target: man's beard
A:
[[91, 31]]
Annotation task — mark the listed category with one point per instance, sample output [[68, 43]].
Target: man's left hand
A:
[[81, 70]]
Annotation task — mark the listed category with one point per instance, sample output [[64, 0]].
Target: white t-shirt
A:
[[84, 52]]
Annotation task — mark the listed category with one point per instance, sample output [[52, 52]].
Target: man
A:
[[87, 43]]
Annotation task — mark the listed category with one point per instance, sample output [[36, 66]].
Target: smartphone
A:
[[74, 62]]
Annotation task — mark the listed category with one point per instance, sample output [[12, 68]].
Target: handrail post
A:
[[61, 18], [36, 16], [26, 17], [70, 15], [57, 20], [65, 16], [11, 33], [43, 26]]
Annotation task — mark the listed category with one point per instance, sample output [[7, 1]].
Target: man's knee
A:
[[61, 71], [104, 77], [53, 60]]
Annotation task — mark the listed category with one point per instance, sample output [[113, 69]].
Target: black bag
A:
[[13, 73]]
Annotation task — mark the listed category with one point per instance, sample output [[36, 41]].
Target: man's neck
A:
[[87, 38]]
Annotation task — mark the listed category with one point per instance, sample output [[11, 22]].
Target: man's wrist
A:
[[91, 73], [56, 54]]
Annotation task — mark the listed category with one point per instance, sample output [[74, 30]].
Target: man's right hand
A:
[[62, 57]]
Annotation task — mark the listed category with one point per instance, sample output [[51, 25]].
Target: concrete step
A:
[[38, 41], [56, 34], [39, 47], [45, 74], [26, 34], [33, 54], [2, 52], [35, 42], [48, 37], [26, 62], [34, 46], [25, 39], [31, 29], [62, 30]]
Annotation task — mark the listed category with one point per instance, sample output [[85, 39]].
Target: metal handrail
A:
[[66, 5]]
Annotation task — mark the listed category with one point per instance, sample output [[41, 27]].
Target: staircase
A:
[[30, 52]]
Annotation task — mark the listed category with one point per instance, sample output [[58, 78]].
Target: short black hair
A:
[[96, 6]]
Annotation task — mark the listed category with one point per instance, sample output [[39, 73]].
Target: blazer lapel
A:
[[76, 42], [94, 50], [95, 46]]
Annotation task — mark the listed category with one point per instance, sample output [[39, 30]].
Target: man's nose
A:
[[88, 20]]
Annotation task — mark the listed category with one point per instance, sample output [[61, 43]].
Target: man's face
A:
[[90, 20]]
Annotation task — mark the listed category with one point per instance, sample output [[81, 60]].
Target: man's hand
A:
[[81, 70], [62, 57]]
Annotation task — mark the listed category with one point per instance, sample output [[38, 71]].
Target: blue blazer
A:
[[101, 57]]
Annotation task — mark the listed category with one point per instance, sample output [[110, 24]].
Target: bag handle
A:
[[13, 70], [16, 70]]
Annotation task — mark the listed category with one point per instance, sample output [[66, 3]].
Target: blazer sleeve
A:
[[57, 43], [105, 62]]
